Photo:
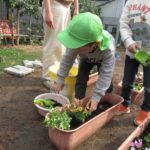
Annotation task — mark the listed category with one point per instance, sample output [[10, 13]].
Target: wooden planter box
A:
[[137, 97], [69, 139], [136, 133]]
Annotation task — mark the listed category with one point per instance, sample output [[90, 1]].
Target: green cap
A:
[[83, 29]]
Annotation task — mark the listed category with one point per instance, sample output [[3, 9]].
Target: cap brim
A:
[[105, 41], [69, 41]]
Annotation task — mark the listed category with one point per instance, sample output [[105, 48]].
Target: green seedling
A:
[[46, 103]]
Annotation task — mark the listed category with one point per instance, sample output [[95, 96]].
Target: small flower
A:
[[139, 79], [138, 143]]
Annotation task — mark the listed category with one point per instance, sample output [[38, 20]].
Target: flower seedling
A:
[[69, 114], [78, 112], [141, 143], [58, 119], [138, 83]]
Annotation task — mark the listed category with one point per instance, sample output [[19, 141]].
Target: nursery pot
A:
[[136, 133], [69, 139], [56, 97]]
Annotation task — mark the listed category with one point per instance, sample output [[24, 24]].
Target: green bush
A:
[[88, 6]]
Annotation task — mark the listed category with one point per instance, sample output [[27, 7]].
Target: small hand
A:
[[58, 87], [92, 104], [49, 20], [76, 100], [76, 11], [132, 48]]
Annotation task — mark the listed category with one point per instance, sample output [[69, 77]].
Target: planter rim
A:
[[93, 74], [87, 122]]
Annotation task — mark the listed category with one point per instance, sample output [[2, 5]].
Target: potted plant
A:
[[137, 96], [70, 138], [139, 139]]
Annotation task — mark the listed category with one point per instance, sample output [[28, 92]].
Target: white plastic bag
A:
[[31, 64], [19, 70]]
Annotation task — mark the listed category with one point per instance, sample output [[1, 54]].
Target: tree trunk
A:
[[18, 25], [7, 8], [12, 15], [30, 26]]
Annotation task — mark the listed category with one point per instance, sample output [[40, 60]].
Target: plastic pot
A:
[[56, 97]]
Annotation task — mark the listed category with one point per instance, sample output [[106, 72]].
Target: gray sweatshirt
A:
[[107, 60], [135, 25]]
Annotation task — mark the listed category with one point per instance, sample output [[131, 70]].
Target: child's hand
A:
[[76, 100], [58, 87], [132, 48], [92, 104]]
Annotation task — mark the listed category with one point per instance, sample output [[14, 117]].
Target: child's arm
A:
[[66, 64], [125, 30], [105, 75]]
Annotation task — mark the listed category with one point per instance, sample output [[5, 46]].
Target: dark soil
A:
[[101, 108], [22, 128]]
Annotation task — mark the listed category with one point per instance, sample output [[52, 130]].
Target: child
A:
[[85, 36], [135, 32]]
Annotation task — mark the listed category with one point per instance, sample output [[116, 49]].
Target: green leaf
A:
[[58, 119]]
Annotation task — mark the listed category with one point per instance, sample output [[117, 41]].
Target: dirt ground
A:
[[22, 128]]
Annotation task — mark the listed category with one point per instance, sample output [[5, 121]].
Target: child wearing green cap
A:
[[85, 36]]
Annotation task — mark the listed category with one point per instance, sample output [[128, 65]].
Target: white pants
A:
[[52, 48]]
